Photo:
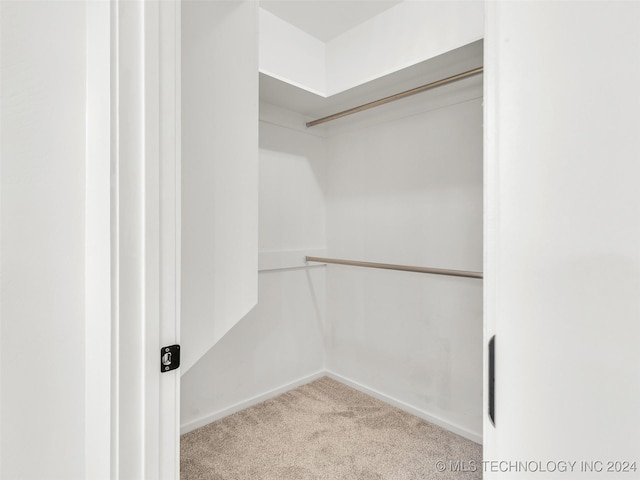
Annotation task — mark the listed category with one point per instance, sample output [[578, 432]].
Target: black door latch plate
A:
[[169, 358]]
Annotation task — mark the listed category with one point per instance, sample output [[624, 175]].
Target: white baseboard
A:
[[452, 427], [212, 417]]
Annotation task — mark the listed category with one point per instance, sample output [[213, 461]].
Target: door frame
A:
[[490, 220], [132, 238]]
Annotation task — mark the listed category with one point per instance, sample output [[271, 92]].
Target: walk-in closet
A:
[[319, 240], [369, 241]]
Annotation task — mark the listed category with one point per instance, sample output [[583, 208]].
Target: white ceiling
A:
[[326, 19]]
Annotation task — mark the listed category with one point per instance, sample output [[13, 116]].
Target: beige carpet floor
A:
[[325, 430]]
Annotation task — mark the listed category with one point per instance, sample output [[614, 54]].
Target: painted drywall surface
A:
[[292, 190], [563, 232], [409, 191], [401, 36], [281, 339], [219, 170], [290, 54], [277, 343], [43, 233]]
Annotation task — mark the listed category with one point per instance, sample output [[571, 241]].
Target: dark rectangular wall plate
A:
[[492, 380], [169, 358]]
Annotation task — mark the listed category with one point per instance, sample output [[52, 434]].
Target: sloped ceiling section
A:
[[329, 47]]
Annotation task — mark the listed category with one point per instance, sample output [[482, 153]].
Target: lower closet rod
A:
[[404, 268]]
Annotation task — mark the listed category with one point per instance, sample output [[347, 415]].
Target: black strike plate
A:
[[492, 380], [169, 358]]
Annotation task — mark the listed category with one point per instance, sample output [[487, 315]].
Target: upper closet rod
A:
[[395, 97], [404, 268]]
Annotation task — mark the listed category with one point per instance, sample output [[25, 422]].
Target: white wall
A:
[[43, 232], [404, 35], [281, 340], [290, 54], [563, 232], [219, 170], [277, 344], [292, 189], [408, 190]]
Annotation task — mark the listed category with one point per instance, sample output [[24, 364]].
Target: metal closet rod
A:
[[404, 268], [397, 96]]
